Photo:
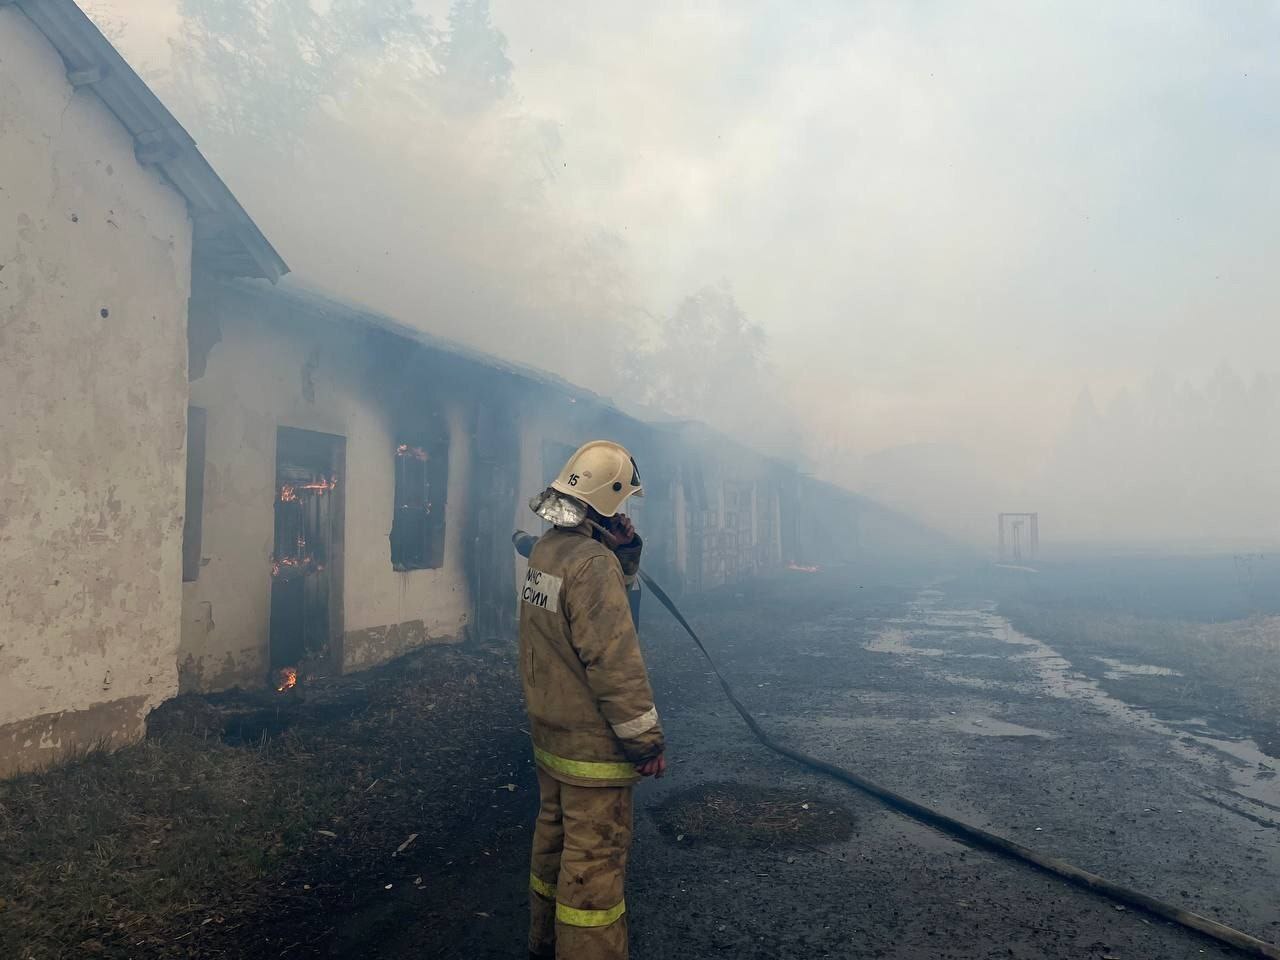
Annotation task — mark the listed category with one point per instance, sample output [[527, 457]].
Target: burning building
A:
[[392, 467], [212, 480]]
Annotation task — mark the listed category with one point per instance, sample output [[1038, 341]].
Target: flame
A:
[[289, 491], [299, 562], [286, 679], [404, 450], [321, 486]]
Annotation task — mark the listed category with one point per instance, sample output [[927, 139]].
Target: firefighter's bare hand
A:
[[653, 767], [620, 532]]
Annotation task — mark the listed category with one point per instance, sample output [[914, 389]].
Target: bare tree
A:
[[473, 58], [708, 361], [258, 68]]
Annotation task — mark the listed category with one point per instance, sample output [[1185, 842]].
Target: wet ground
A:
[[950, 706], [405, 798]]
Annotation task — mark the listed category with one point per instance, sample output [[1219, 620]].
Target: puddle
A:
[[978, 725], [1123, 671], [897, 640], [990, 727], [904, 643], [1254, 775], [974, 683]]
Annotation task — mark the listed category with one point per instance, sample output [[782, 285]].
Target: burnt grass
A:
[[273, 824], [729, 814], [257, 824]]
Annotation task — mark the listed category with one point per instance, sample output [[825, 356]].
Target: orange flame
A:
[[300, 562], [289, 491], [287, 679]]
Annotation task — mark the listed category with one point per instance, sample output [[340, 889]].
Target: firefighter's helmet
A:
[[601, 474]]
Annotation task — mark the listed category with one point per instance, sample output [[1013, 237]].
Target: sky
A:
[[951, 221]]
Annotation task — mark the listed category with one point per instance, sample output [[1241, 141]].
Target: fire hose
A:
[[976, 836]]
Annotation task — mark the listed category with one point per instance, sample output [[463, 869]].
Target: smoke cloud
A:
[[963, 258]]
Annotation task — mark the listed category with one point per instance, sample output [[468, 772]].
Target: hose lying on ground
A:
[[975, 835]]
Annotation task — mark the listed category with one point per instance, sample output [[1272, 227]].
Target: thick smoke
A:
[[391, 158], [388, 157], [878, 238]]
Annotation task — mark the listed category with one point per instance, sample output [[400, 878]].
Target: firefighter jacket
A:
[[591, 712]]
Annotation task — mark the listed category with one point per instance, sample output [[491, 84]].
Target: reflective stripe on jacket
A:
[[591, 710]]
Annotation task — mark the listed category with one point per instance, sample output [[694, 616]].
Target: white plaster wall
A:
[[95, 255], [375, 594], [253, 384]]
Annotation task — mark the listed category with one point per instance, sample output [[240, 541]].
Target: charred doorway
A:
[[495, 486], [306, 561]]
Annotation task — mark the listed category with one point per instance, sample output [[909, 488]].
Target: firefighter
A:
[[594, 726]]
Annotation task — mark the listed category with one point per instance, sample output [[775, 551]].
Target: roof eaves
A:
[[225, 237], [338, 311]]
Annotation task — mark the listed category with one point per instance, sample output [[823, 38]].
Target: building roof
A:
[[324, 306], [226, 240]]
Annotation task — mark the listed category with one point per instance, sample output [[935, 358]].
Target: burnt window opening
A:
[[417, 528], [192, 519]]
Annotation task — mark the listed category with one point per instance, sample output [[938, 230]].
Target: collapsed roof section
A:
[[226, 240]]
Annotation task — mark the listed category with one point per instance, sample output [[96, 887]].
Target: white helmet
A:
[[602, 474]]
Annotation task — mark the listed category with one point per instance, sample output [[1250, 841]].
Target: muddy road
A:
[[943, 701]]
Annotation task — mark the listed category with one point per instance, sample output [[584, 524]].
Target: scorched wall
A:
[[262, 360]]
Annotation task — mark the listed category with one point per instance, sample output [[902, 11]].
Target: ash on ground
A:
[[730, 814]]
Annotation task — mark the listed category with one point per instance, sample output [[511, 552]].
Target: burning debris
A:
[[286, 679], [404, 450], [287, 566], [289, 492], [293, 498]]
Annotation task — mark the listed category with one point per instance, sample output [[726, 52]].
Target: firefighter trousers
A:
[[580, 843]]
